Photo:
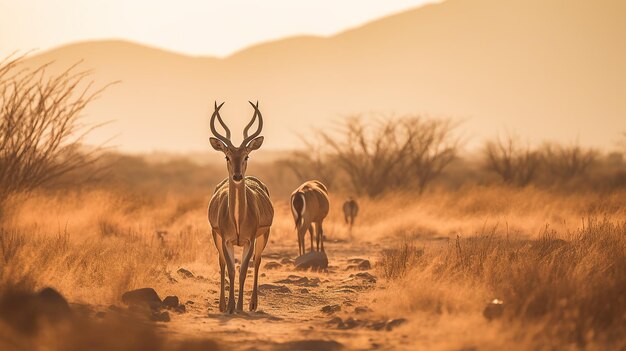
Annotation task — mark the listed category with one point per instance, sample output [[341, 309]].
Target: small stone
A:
[[171, 302], [395, 323], [274, 288], [184, 273], [315, 260], [362, 309], [494, 309], [161, 317], [351, 323], [364, 265], [378, 325], [336, 321], [355, 260], [55, 303], [143, 296], [366, 277], [304, 291], [331, 309], [273, 265]]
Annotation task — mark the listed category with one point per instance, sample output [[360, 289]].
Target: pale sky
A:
[[195, 27]]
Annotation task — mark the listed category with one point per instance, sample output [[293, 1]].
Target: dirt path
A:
[[290, 312]]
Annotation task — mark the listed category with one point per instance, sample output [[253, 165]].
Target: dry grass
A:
[[93, 246], [446, 254], [559, 293]]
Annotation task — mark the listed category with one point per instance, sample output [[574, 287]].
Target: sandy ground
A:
[[290, 315]]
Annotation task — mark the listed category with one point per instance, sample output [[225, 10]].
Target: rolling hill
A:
[[543, 69]]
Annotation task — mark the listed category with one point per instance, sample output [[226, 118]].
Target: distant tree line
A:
[[410, 153], [41, 145], [372, 158]]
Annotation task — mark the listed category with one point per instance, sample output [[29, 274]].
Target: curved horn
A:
[[216, 113], [247, 138], [245, 131]]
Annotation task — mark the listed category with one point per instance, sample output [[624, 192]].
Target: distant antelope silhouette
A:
[[350, 211], [240, 211], [310, 205]]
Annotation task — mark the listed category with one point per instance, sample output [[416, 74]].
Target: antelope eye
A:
[[247, 157], [227, 159]]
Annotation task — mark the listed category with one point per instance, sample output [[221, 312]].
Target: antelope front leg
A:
[[243, 272], [258, 250], [301, 241], [222, 283], [230, 264], [218, 244]]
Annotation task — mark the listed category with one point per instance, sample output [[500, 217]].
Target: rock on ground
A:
[[273, 265], [25, 311], [310, 345], [184, 273], [171, 301], [143, 296], [315, 260], [493, 309]]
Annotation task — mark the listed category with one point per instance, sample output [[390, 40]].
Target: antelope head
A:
[[236, 157]]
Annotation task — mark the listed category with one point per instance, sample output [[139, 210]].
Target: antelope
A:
[[240, 211], [309, 204], [350, 211]]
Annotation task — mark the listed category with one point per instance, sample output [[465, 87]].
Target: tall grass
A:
[[572, 288], [93, 246]]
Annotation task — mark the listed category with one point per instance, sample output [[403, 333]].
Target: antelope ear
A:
[[255, 143], [217, 144]]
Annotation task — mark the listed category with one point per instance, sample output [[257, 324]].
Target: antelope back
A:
[[316, 200]]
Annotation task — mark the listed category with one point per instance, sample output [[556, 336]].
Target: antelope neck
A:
[[237, 203]]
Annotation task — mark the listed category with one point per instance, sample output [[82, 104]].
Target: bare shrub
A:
[[392, 153], [40, 133], [314, 162], [566, 162], [432, 149], [513, 163]]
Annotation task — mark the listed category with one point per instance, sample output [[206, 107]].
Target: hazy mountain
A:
[[545, 69]]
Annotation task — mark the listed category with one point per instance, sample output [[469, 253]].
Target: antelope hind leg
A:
[[301, 241], [320, 234], [311, 235]]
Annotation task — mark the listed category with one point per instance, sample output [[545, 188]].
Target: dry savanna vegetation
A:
[[511, 246]]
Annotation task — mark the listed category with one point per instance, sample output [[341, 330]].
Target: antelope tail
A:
[[298, 205]]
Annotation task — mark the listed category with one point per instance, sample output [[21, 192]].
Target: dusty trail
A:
[[290, 315]]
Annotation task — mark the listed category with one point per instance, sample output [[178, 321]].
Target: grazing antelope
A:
[[350, 211], [309, 205], [240, 211]]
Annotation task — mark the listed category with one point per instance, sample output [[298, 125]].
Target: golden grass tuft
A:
[[572, 288]]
